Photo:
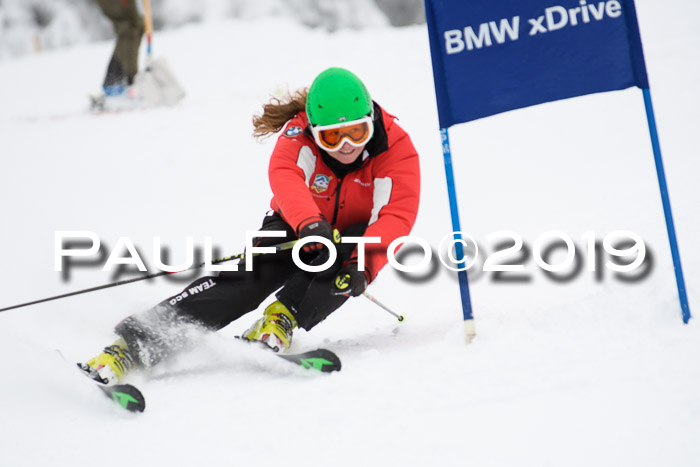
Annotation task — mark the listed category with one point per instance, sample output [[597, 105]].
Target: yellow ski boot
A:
[[274, 328], [111, 365]]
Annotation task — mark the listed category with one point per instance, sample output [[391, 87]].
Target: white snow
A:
[[578, 373]]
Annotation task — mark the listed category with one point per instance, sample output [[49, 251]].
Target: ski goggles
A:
[[355, 132]]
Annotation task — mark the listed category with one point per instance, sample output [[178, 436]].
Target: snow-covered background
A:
[[576, 373], [28, 26]]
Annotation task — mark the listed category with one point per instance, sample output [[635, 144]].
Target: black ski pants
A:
[[215, 301]]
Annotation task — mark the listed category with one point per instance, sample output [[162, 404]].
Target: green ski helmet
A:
[[337, 96]]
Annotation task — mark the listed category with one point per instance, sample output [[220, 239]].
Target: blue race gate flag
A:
[[491, 56]]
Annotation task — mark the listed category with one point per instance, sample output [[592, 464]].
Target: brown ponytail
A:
[[277, 112]]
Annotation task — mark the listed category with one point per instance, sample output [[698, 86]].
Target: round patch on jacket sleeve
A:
[[293, 131]]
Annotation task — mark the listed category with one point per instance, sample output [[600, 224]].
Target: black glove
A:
[[315, 226], [349, 281]]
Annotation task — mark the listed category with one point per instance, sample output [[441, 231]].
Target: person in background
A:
[[129, 26]]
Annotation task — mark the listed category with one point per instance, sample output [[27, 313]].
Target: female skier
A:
[[341, 164]]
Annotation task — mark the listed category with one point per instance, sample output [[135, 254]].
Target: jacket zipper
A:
[[337, 199]]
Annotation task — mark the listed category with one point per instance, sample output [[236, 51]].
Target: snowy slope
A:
[[584, 372]]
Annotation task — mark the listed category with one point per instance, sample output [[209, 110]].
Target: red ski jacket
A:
[[380, 189]]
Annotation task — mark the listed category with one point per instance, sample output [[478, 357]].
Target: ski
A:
[[322, 360], [110, 105], [126, 396]]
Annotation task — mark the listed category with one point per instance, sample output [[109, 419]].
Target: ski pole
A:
[[148, 27], [279, 247], [378, 303]]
